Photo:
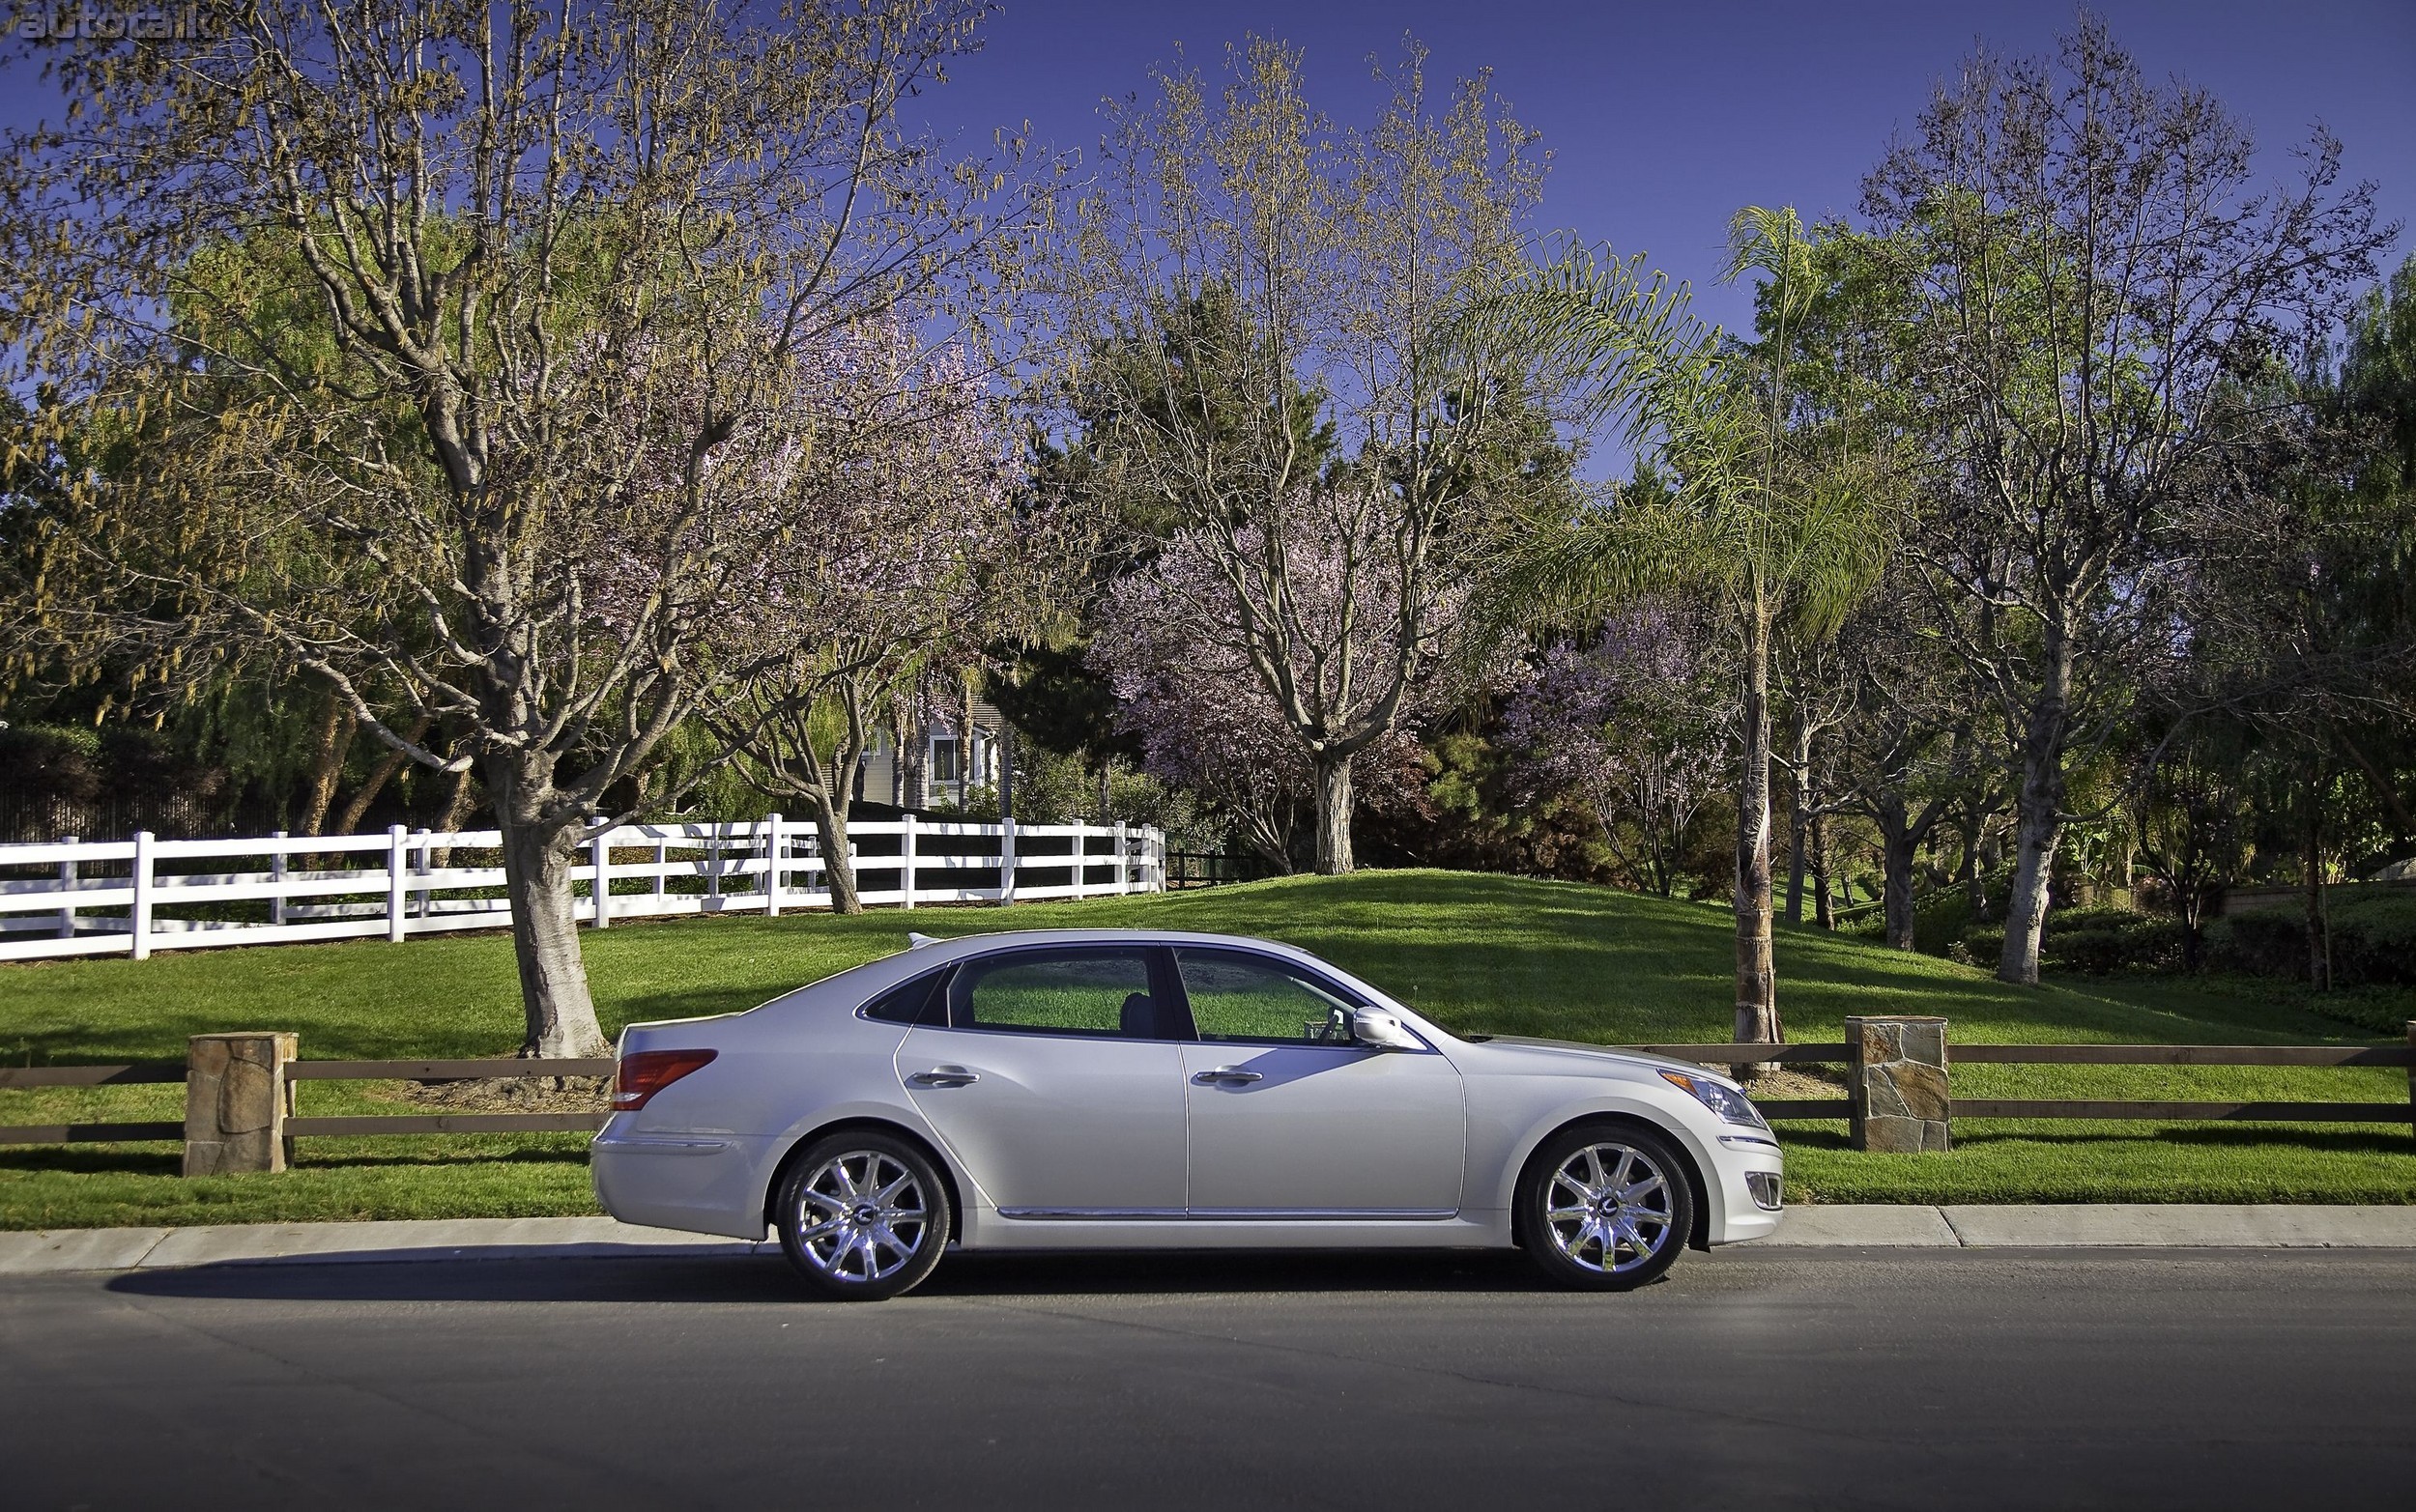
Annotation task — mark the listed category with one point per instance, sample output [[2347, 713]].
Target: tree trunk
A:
[[457, 810], [1333, 817], [357, 807], [2039, 814], [1896, 852], [1006, 771], [830, 831], [2126, 865], [1968, 867], [964, 753], [914, 750], [1799, 818], [1824, 904], [2311, 860], [330, 743], [1757, 994], [537, 859]]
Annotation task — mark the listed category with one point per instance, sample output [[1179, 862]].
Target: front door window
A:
[[1256, 999]]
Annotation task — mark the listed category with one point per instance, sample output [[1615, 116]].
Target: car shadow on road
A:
[[765, 1280]]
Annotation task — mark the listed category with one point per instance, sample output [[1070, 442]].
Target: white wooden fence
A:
[[138, 895]]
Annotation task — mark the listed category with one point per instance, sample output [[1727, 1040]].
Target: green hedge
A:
[[2373, 939], [2095, 942]]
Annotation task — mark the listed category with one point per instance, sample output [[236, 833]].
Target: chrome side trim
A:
[[1747, 1142], [1158, 1214], [657, 1144], [1235, 1215], [1322, 1214]]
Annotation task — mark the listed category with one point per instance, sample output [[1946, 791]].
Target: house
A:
[[938, 764]]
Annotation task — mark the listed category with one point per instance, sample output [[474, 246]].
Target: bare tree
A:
[[447, 323], [2093, 276], [1903, 757], [1272, 331]]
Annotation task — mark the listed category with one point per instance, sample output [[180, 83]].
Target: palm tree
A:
[[1770, 511]]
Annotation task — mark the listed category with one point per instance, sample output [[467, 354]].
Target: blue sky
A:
[[1663, 119]]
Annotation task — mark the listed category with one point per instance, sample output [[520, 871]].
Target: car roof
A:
[[959, 947]]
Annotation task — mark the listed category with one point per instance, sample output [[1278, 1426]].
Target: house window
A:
[[943, 759]]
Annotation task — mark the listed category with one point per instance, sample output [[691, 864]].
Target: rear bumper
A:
[[700, 1184]]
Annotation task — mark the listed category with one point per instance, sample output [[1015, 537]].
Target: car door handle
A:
[[944, 1077], [1226, 1074]]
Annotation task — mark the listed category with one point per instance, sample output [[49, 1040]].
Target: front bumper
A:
[[1749, 1174]]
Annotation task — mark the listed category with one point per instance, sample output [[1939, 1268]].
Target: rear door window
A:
[[1101, 992]]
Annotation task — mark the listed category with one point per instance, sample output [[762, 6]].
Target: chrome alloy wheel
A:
[[862, 1218], [1609, 1209]]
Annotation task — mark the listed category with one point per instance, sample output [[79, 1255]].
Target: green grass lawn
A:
[[1478, 952]]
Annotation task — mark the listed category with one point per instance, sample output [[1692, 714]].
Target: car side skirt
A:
[[987, 1228]]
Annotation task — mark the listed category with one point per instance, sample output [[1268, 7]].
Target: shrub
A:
[[2269, 942], [2373, 935], [1940, 920], [2374, 938], [2139, 943], [2098, 941], [1985, 944]]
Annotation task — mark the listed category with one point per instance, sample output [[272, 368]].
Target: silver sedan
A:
[[1117, 1089]]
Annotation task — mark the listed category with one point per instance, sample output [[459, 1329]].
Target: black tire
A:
[[847, 1239], [1591, 1235]]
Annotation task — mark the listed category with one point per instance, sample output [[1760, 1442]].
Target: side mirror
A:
[[1381, 1031]]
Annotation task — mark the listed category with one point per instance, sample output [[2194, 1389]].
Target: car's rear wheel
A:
[[1605, 1206], [863, 1215]]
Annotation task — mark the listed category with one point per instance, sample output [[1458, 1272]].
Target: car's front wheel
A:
[[1605, 1206], [863, 1216]]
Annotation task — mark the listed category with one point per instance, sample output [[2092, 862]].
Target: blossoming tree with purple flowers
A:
[[1204, 687], [896, 552], [1638, 722], [1278, 362]]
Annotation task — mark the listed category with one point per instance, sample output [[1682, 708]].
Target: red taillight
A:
[[648, 1072]]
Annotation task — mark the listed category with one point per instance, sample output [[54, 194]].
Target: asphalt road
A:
[[1929, 1379]]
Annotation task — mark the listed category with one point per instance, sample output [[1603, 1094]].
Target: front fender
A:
[[1598, 1103]]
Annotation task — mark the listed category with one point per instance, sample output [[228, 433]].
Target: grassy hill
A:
[[1478, 952]]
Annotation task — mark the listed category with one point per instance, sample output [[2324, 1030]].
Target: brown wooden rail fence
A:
[[211, 1111], [212, 1096], [2095, 1055]]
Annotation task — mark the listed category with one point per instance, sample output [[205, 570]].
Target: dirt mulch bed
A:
[[551, 1095], [1787, 1083]]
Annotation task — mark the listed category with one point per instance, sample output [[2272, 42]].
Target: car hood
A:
[[1568, 1050]]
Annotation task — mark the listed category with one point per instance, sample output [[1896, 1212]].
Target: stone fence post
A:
[[1897, 1079], [235, 1101]]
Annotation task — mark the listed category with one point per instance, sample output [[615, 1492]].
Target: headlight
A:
[[1720, 1098]]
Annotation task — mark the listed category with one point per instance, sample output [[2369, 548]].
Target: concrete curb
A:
[[2100, 1226], [333, 1244], [1886, 1226]]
